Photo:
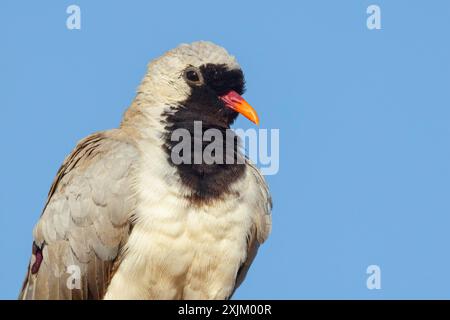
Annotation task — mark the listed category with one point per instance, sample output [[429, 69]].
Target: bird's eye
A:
[[193, 76]]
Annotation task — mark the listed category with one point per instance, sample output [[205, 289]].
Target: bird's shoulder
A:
[[91, 180], [86, 219]]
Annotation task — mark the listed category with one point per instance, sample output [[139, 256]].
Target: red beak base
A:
[[234, 101]]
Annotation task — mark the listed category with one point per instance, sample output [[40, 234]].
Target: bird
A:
[[123, 221]]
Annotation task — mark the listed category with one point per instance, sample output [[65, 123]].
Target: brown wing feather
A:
[[85, 221]]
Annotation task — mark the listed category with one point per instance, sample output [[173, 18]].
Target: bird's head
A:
[[200, 81]]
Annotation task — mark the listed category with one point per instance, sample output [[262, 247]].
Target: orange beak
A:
[[235, 102]]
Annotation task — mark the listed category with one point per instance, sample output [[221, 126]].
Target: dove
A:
[[124, 221]]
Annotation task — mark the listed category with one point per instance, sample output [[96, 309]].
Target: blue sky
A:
[[363, 116]]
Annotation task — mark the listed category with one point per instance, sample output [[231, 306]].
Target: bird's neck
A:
[[215, 161], [207, 179]]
